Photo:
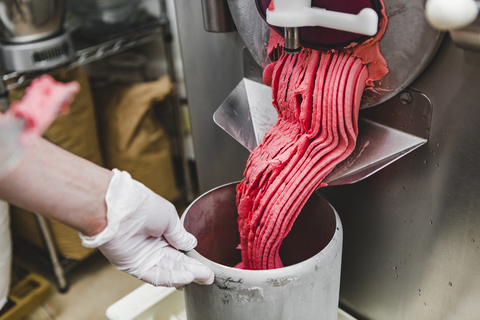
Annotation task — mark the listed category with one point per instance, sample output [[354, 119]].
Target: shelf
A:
[[89, 50]]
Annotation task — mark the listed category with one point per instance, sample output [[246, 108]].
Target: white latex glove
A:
[[143, 235]]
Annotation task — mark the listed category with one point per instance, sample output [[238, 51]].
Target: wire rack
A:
[[88, 50]]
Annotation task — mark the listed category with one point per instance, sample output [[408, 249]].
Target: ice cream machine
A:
[[411, 229]]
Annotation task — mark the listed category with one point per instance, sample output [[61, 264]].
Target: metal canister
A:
[[23, 21], [306, 288]]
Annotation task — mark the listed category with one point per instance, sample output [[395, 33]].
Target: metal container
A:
[[306, 288], [216, 16], [37, 55], [24, 21]]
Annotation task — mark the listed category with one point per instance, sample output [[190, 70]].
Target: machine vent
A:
[[51, 54]]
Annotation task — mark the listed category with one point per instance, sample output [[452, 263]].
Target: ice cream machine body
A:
[[412, 246]]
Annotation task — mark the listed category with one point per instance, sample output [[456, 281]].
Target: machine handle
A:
[[293, 14], [450, 14]]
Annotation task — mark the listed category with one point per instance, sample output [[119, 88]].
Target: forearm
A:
[[59, 185]]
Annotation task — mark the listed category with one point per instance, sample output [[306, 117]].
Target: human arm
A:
[[56, 184], [59, 185]]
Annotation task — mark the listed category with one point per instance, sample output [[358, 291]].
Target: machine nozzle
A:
[[292, 40], [294, 14]]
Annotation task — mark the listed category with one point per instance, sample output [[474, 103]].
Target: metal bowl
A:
[[24, 21], [306, 288], [104, 16]]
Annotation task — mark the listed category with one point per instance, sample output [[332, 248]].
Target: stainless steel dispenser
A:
[[32, 35], [411, 230]]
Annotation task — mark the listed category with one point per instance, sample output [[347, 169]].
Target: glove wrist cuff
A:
[[120, 190]]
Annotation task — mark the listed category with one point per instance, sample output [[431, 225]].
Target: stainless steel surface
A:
[[39, 55], [411, 248], [247, 113], [469, 37], [216, 16], [211, 72], [408, 44], [386, 132], [105, 17], [30, 20], [411, 230], [292, 40], [307, 288], [179, 138], [253, 30]]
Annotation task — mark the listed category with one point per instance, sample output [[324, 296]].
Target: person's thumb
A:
[[178, 237]]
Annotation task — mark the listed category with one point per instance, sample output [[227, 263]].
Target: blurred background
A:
[[131, 113]]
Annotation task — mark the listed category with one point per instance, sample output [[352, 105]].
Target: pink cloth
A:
[[43, 100]]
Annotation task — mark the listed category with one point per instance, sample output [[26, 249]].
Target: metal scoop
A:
[[294, 14], [386, 132]]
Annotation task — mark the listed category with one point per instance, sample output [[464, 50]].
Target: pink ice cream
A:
[[43, 100], [317, 96]]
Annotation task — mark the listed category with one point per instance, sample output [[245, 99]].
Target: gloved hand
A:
[[143, 235]]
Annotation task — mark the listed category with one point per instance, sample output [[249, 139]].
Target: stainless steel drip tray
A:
[[387, 132]]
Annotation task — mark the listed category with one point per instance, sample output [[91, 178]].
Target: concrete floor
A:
[[94, 286]]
